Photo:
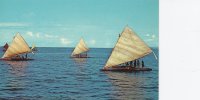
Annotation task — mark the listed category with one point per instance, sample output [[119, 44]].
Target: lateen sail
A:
[[129, 47], [80, 47], [18, 46]]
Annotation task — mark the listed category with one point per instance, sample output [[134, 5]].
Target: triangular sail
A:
[[33, 47], [80, 48], [18, 46], [129, 47]]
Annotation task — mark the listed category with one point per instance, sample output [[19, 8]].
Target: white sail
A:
[[80, 48], [18, 46], [33, 47], [129, 47]]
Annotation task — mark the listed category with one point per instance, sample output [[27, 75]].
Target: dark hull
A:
[[15, 59], [80, 57], [126, 69]]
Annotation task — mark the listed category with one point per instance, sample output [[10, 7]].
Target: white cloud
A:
[[11, 24], [92, 42], [153, 36], [37, 35], [65, 41], [147, 35], [30, 33], [150, 37], [62, 40], [50, 36]]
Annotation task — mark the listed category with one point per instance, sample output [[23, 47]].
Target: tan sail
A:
[[80, 48], [129, 47], [18, 46]]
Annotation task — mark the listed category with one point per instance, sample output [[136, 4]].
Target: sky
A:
[[61, 23]]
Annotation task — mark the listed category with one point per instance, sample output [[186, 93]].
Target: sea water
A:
[[54, 75]]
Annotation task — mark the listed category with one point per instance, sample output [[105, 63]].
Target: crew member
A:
[[142, 64]]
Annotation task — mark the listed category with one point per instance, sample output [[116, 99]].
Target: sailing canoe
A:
[[80, 50], [17, 48], [129, 47]]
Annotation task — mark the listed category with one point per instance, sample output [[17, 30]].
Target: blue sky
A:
[[61, 23]]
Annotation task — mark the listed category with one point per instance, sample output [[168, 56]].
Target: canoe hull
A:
[[126, 69], [18, 59], [80, 57]]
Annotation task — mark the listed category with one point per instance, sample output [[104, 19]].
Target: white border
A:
[[179, 42]]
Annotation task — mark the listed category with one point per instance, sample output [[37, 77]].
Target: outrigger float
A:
[[128, 48], [18, 50], [80, 50]]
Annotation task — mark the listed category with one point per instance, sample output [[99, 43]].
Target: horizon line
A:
[[90, 47]]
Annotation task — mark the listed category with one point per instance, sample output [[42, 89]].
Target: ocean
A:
[[53, 75]]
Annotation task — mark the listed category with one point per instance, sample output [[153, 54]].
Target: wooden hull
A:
[[15, 59], [126, 69]]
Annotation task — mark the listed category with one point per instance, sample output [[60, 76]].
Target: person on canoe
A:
[[138, 63], [134, 64], [142, 64], [131, 63]]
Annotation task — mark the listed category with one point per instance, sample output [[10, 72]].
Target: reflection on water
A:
[[17, 67], [15, 83], [80, 73], [80, 60], [127, 86]]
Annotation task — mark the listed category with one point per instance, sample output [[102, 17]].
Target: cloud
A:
[[30, 34], [92, 42], [151, 37], [37, 35], [12, 24], [147, 35], [62, 40], [65, 41], [48, 36]]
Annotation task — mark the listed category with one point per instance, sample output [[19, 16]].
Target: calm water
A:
[[53, 75]]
